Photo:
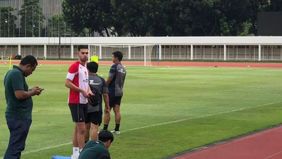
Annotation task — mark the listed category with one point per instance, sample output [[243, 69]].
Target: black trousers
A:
[[19, 129]]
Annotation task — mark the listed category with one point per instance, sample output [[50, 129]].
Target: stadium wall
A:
[[255, 48]]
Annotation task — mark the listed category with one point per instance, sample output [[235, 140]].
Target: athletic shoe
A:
[[115, 132]]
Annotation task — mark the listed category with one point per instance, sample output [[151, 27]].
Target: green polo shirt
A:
[[17, 109], [94, 150]]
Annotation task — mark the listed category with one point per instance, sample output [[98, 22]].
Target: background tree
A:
[[166, 17], [90, 15], [204, 18], [174, 18], [75, 13], [234, 17], [256, 7], [100, 18], [7, 22], [57, 27], [137, 17], [31, 18]]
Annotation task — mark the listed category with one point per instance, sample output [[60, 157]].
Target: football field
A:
[[165, 110]]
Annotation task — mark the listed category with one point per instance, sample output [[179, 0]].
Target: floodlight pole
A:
[[7, 23]]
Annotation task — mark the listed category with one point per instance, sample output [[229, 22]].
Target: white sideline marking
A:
[[153, 125], [199, 117]]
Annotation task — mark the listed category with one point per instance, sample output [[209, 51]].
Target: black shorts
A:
[[114, 100], [78, 112], [94, 117]]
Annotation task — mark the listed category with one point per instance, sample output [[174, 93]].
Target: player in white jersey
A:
[[77, 82]]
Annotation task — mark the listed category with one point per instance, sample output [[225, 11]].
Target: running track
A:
[[264, 145], [181, 64]]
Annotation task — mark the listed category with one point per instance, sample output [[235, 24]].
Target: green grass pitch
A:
[[165, 110]]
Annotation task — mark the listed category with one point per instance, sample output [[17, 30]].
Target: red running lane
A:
[[169, 63], [182, 64], [263, 145], [218, 64]]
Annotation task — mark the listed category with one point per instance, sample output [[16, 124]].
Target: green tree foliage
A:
[[134, 17], [255, 7], [167, 17], [75, 13], [173, 18], [204, 17], [100, 18], [90, 15], [57, 27], [7, 22], [31, 18], [152, 18], [234, 16], [184, 17]]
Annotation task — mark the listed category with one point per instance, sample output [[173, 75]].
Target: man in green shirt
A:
[[19, 105], [98, 149]]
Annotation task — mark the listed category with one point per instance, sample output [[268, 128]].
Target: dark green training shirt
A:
[[90, 143], [94, 150], [18, 109]]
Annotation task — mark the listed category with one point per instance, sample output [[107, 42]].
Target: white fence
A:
[[255, 48]]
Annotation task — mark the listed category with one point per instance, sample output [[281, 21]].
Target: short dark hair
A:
[[118, 55], [82, 47], [92, 67], [105, 136], [29, 59]]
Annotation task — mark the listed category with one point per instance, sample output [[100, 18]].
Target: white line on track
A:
[[273, 155]]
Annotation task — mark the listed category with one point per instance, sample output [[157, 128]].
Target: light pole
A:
[[33, 26], [6, 21]]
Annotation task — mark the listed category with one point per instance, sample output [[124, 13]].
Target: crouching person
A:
[[98, 149]]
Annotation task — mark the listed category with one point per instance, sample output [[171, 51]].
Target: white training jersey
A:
[[78, 74]]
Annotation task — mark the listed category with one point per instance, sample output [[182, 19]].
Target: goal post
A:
[[148, 51], [140, 53]]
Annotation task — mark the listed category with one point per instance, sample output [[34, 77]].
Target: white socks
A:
[[75, 152]]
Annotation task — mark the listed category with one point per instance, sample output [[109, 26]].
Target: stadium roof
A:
[[212, 40]]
